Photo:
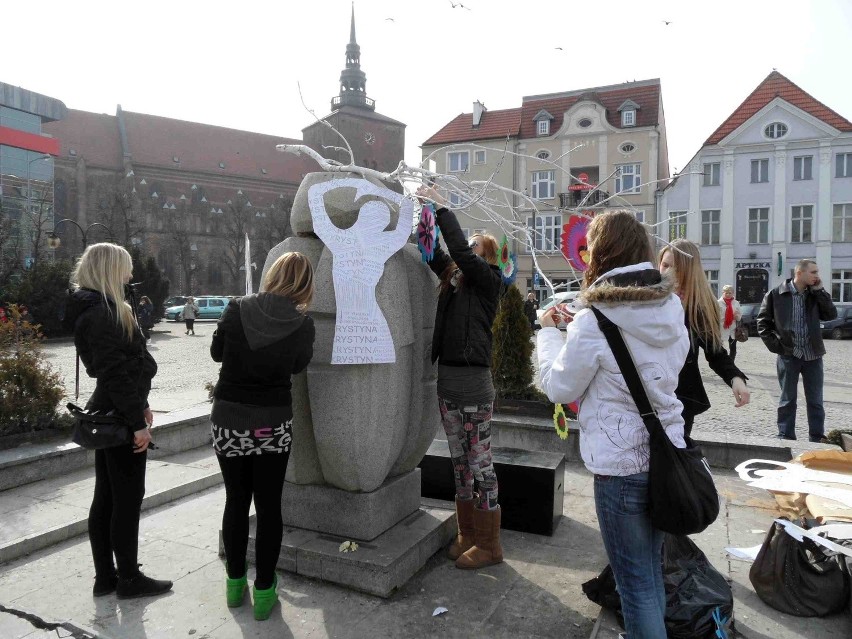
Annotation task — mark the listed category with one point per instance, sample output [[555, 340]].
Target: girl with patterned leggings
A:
[[467, 303]]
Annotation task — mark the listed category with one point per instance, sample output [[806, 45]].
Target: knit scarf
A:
[[729, 313]]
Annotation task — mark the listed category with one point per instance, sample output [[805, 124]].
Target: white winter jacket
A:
[[613, 438]]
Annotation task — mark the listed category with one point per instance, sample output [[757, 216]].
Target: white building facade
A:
[[771, 186]]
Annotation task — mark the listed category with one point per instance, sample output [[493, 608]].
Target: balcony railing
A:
[[353, 98], [572, 199]]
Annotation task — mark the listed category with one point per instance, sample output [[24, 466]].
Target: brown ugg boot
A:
[[487, 550], [464, 539]]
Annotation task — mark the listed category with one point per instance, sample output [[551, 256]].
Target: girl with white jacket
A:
[[623, 284]]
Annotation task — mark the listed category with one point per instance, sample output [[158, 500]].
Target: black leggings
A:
[[190, 324], [114, 514], [260, 477]]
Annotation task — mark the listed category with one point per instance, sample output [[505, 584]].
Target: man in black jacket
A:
[[530, 307], [788, 323]]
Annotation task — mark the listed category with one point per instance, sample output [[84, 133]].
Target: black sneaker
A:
[[104, 585], [141, 586], [819, 440]]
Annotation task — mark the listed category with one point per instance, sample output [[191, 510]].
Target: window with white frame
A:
[[759, 171], [543, 185], [801, 223], [543, 127], [803, 167], [628, 178], [710, 226], [712, 173], [548, 231], [543, 155], [842, 223], [455, 199], [844, 165], [640, 215], [713, 281], [775, 130], [677, 225], [628, 117], [758, 225], [458, 161], [479, 156], [841, 286]]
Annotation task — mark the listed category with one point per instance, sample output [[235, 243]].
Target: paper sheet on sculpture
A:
[[361, 333]]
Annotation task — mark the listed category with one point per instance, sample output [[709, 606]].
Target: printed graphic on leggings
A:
[[230, 442], [468, 430]]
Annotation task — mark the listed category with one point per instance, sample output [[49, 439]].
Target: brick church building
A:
[[187, 193]]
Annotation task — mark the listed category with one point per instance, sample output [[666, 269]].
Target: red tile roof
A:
[[777, 86], [156, 141], [493, 125], [94, 136], [645, 93], [519, 122]]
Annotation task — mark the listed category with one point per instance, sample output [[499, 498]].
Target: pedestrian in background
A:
[[623, 284], [467, 303], [731, 313], [788, 323], [190, 312], [146, 317], [681, 262], [262, 340], [112, 348], [530, 308]]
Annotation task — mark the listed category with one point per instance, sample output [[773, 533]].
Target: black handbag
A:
[[682, 495], [799, 577], [94, 430]]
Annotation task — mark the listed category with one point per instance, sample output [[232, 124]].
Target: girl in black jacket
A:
[[262, 340], [112, 348], [681, 261], [469, 294]]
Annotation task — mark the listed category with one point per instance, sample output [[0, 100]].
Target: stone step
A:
[[47, 512], [173, 432]]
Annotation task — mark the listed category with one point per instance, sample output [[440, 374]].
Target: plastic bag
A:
[[699, 601], [799, 577]]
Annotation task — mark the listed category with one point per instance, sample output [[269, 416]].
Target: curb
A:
[[39, 541]]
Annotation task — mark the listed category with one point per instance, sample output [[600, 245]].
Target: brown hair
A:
[[291, 276], [616, 238], [699, 304], [803, 264], [489, 248]]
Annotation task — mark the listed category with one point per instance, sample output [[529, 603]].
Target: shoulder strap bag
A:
[[683, 498]]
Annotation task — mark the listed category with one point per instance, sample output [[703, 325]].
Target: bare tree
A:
[[178, 228], [10, 263], [236, 222], [38, 223], [272, 227], [120, 209]]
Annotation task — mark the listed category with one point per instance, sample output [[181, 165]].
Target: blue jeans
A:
[[788, 376], [634, 548]]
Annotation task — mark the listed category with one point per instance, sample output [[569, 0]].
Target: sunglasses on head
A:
[[473, 243]]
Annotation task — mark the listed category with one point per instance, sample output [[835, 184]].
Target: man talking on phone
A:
[[788, 323]]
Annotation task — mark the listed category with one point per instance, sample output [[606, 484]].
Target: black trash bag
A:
[[699, 601], [799, 578]]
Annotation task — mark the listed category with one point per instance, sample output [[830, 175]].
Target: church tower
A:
[[377, 141]]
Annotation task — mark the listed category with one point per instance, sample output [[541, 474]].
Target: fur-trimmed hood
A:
[[640, 301]]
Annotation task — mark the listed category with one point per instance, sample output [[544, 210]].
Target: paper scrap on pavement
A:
[[799, 533], [794, 485], [748, 554], [440, 610], [786, 470]]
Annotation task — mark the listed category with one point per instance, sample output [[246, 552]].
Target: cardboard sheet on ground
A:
[[794, 478], [361, 333]]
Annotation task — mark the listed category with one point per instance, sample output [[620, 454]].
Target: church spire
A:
[[353, 81]]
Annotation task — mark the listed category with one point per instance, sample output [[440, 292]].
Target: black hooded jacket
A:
[[465, 314], [261, 340], [123, 368]]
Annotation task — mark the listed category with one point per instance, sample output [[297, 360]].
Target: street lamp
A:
[[53, 240]]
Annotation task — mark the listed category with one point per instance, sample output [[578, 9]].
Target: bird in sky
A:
[[391, 19], [667, 22], [558, 48], [458, 4]]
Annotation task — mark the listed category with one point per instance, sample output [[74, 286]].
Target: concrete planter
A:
[[846, 442]]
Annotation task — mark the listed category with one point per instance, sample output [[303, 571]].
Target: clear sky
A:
[[239, 64]]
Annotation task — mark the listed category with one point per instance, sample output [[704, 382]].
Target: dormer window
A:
[[628, 110], [542, 122]]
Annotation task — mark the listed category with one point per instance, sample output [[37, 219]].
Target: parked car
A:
[[174, 300], [208, 308], [841, 326], [749, 318], [563, 297]]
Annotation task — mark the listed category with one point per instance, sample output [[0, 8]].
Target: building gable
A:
[[799, 125]]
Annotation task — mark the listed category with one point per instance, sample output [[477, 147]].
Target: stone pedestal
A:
[[351, 515]]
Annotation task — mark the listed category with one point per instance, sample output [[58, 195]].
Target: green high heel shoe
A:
[[235, 591], [265, 600]]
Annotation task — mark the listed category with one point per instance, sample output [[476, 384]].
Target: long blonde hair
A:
[[292, 276], [105, 268], [699, 304]]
